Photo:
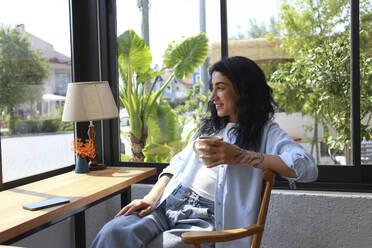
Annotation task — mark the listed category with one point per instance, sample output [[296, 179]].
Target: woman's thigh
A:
[[131, 231], [185, 212]]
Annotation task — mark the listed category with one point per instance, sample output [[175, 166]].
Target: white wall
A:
[[295, 124]]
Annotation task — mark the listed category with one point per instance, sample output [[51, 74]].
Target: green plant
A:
[[54, 116], [134, 59], [164, 134], [41, 126]]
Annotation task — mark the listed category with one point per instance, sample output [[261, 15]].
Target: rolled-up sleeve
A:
[[292, 154]]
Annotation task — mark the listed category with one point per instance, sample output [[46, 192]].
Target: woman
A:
[[191, 196]]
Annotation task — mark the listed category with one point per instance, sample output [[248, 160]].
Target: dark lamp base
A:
[[96, 166]]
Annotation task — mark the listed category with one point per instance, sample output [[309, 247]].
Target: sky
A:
[[48, 20], [169, 19]]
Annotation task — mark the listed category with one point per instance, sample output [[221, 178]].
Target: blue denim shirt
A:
[[238, 188]]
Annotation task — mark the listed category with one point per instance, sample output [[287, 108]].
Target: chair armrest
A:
[[197, 237]]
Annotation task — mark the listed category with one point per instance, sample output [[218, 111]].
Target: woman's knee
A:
[[119, 224], [116, 233], [127, 231]]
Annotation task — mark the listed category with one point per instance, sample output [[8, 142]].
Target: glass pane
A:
[[36, 67], [174, 117], [303, 48], [366, 81]]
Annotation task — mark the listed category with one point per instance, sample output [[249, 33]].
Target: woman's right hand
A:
[[145, 206]]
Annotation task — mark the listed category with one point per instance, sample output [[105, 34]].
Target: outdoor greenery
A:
[[50, 122], [138, 92], [36, 126], [169, 130], [22, 70], [164, 139], [193, 110], [317, 81]]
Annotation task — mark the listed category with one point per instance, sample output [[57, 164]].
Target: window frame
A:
[[94, 58]]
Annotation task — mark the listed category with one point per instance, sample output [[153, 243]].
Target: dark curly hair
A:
[[255, 107]]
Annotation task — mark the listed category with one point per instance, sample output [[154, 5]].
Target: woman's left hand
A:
[[221, 152], [226, 153]]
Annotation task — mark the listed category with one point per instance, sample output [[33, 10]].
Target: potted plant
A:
[[134, 58]]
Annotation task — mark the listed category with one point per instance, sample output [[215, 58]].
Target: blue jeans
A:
[[182, 211]]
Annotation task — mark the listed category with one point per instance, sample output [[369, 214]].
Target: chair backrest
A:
[[256, 230], [268, 177]]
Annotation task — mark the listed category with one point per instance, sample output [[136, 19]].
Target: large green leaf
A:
[[163, 124], [186, 55], [157, 153], [164, 139], [134, 51]]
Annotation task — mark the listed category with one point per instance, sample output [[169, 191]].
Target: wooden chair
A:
[[198, 237]]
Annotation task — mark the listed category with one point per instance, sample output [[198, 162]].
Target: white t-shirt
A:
[[204, 181]]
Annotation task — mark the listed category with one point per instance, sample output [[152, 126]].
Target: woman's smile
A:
[[218, 106]]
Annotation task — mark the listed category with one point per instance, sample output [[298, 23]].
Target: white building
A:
[[176, 89], [59, 75]]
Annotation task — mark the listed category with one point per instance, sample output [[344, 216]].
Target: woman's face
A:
[[224, 96]]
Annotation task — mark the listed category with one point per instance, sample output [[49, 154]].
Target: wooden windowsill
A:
[[81, 189]]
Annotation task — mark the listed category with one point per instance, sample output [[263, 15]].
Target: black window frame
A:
[[94, 58]]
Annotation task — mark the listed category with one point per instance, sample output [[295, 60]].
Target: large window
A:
[[305, 51], [366, 81], [35, 69], [310, 55]]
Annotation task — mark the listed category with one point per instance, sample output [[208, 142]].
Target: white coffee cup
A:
[[196, 143]]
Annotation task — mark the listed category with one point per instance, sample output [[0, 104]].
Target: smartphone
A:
[[46, 203]]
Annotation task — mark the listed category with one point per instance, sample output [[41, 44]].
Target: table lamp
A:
[[90, 101]]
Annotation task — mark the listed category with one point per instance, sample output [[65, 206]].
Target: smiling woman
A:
[[191, 196]]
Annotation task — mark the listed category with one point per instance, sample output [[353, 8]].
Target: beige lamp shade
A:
[[89, 101]]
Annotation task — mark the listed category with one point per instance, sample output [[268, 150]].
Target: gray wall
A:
[[305, 219], [318, 219]]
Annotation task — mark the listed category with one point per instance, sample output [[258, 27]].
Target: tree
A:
[[317, 81], [20, 68], [307, 24]]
